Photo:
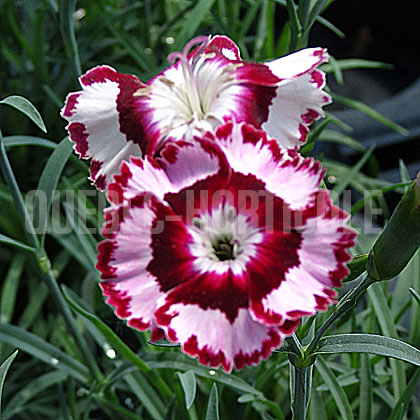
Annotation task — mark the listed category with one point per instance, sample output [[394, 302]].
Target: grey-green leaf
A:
[[337, 391], [48, 182], [369, 343], [6, 240], [415, 294], [40, 349], [189, 386], [212, 412], [25, 106], [107, 332], [4, 367]]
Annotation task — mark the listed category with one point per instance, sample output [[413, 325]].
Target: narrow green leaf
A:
[[4, 367], [356, 63], [369, 343], [333, 136], [212, 412], [189, 386], [40, 349], [336, 390], [415, 295], [192, 22], [400, 408], [12, 141], [146, 394], [366, 392], [107, 332], [66, 10], [166, 360], [25, 106], [48, 183], [339, 188], [404, 175], [13, 186], [123, 412], [10, 288], [366, 109], [9, 241], [336, 70], [31, 390], [317, 407]]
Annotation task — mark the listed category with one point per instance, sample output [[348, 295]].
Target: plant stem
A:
[[295, 345], [346, 303], [300, 392]]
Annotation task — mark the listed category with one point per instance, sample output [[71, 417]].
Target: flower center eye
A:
[[226, 248]]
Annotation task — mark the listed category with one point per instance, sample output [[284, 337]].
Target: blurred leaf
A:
[[402, 404], [343, 184], [192, 22], [48, 183], [4, 367], [340, 138], [388, 328], [415, 294], [404, 175], [366, 389], [400, 239], [189, 386], [146, 394], [34, 387], [25, 106], [336, 390], [66, 10], [40, 349], [110, 336], [366, 109], [13, 187], [356, 63], [11, 141], [10, 287], [6, 240], [212, 412], [166, 360]]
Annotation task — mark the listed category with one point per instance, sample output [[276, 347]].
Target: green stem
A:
[[295, 345], [300, 392], [346, 303]]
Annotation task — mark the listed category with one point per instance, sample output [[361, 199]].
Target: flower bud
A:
[[400, 239]]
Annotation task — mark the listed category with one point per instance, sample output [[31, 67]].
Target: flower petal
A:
[[307, 286], [299, 97], [169, 173], [285, 174], [297, 64], [123, 259], [209, 335], [103, 122], [222, 45]]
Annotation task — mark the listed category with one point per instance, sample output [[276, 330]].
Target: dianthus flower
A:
[[117, 115], [223, 243]]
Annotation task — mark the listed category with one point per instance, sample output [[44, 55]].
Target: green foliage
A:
[[77, 360]]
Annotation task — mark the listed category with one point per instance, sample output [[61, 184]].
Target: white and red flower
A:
[[224, 243], [116, 115]]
